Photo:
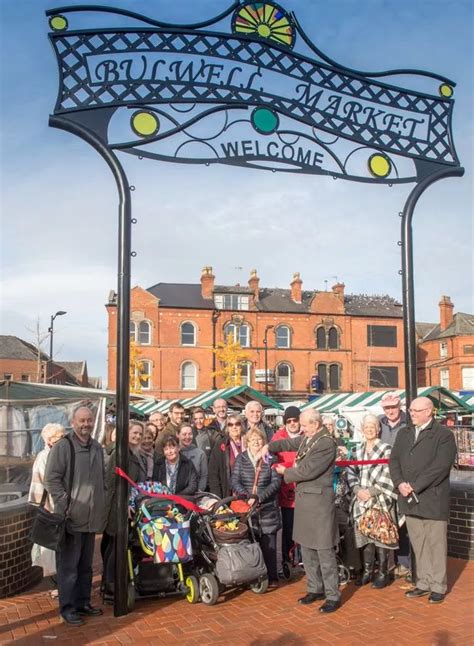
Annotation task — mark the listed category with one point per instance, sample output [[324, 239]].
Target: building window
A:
[[25, 377], [282, 336], [7, 376], [443, 349], [145, 375], [333, 339], [144, 329], [383, 377], [335, 376], [323, 375], [321, 338], [188, 334], [231, 302], [382, 336], [283, 375], [468, 349], [238, 334], [133, 332], [444, 377], [467, 374], [245, 374], [188, 376]]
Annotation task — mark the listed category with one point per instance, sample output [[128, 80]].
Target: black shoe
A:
[[381, 581], [311, 597], [72, 618], [436, 597], [415, 593], [330, 606], [89, 611]]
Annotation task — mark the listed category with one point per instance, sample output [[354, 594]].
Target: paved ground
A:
[[244, 618]]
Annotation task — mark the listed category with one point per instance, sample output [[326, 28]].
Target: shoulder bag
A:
[[377, 524], [49, 529]]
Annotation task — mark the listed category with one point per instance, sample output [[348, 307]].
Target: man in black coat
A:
[[420, 464]]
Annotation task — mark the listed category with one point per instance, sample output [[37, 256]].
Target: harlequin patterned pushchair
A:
[[160, 554]]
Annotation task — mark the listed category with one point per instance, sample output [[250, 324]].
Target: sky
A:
[[59, 201]]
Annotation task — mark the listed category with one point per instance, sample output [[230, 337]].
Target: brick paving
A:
[[243, 618]]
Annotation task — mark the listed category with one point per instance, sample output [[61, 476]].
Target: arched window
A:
[[245, 373], [145, 374], [144, 329], [334, 376], [188, 376], [333, 339], [133, 332], [238, 333], [283, 377], [188, 333], [323, 374], [283, 337], [321, 338]]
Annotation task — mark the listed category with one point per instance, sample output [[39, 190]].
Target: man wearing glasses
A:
[[420, 464]]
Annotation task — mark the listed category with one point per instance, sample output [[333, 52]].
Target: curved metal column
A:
[[123, 346], [408, 278]]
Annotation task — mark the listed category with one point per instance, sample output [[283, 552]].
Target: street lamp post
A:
[[51, 332], [265, 344], [215, 316]]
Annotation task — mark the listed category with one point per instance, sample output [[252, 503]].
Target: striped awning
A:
[[441, 397], [236, 396]]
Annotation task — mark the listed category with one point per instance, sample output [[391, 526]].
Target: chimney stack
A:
[[296, 290], [254, 282], [445, 312], [207, 282], [338, 290]]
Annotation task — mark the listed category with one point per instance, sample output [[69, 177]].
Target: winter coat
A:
[[219, 469], [186, 480], [315, 512], [205, 439], [268, 485], [425, 465], [137, 473], [87, 511], [263, 426], [198, 458], [388, 434], [286, 497]]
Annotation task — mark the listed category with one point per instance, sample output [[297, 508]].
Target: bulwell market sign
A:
[[259, 94]]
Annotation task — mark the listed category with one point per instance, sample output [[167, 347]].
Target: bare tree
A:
[[39, 338]]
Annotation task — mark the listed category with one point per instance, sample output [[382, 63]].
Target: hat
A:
[[390, 399], [292, 412]]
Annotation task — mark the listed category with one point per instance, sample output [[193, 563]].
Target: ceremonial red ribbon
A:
[[164, 496], [341, 463]]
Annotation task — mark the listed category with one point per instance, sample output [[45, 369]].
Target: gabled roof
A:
[[75, 368], [423, 329], [275, 299], [461, 325], [12, 347]]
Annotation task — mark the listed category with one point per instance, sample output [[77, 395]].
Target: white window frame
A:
[[286, 342], [246, 377], [133, 332], [444, 377], [243, 328], [194, 333], [283, 382], [443, 349], [145, 376], [232, 301], [185, 377], [139, 332], [467, 377]]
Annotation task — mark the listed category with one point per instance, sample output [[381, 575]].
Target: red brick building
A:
[[446, 349], [352, 342]]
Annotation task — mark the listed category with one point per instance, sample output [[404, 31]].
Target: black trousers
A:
[[109, 564], [268, 545], [74, 571], [287, 518]]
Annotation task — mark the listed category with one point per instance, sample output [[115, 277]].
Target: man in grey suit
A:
[[315, 513], [420, 464]]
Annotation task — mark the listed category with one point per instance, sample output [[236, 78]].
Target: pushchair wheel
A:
[[343, 573], [208, 589], [193, 589], [260, 587], [287, 570], [130, 596]]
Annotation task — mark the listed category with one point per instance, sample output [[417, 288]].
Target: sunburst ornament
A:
[[264, 20]]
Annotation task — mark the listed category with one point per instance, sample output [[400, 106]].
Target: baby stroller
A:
[[160, 553], [226, 552]]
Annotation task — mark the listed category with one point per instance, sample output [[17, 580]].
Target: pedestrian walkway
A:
[[243, 618]]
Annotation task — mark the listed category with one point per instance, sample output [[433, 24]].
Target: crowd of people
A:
[[401, 469]]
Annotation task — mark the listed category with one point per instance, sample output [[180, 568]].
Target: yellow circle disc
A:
[[379, 165], [264, 31], [145, 124], [58, 23], [446, 90]]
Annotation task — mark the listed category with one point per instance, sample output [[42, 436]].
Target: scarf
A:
[[371, 475], [234, 450], [171, 476], [147, 460]]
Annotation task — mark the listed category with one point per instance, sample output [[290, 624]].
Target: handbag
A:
[[242, 506], [377, 524], [49, 529]]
